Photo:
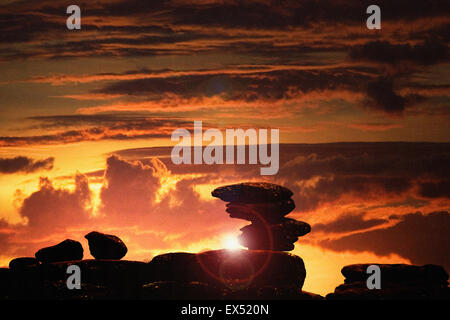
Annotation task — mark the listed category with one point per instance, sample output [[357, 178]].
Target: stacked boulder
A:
[[398, 281], [265, 205], [106, 246]]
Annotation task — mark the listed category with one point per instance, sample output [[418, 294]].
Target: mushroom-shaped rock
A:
[[106, 246]]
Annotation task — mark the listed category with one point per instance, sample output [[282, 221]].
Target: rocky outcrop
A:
[[231, 269], [100, 279], [398, 281], [65, 251], [224, 274], [218, 274], [106, 246], [265, 205]]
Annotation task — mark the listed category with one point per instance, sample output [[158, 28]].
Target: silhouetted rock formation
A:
[[64, 251], [100, 279], [265, 205], [225, 274], [398, 281], [232, 269], [22, 263], [218, 274], [105, 246]]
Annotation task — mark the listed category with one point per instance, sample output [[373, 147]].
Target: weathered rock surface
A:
[[106, 246], [252, 192], [398, 281], [65, 251]]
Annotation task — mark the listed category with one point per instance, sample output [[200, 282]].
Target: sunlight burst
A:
[[231, 242]]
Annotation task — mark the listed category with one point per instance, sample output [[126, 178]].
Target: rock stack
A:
[[265, 205], [398, 281]]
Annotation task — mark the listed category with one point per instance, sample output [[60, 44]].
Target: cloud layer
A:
[[24, 165]]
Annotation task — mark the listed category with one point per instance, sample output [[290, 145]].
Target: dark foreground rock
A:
[[100, 279], [219, 274], [224, 274], [22, 263], [398, 281], [399, 273], [65, 251], [106, 246], [232, 269]]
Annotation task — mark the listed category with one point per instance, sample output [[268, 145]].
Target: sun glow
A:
[[231, 242]]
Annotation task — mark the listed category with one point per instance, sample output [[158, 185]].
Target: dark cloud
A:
[[362, 171], [429, 52], [271, 86], [382, 96], [321, 174], [24, 165], [96, 127], [421, 238], [439, 189], [347, 223], [189, 22]]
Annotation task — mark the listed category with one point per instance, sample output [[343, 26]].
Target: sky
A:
[[86, 118]]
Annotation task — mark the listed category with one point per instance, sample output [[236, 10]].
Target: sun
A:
[[231, 242]]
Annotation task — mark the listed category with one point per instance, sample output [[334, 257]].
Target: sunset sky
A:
[[86, 118]]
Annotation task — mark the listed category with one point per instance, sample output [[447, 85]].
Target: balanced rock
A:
[[67, 250], [22, 263], [265, 205], [106, 246]]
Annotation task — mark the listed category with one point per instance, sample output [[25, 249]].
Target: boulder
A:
[[106, 246], [18, 264], [230, 269], [65, 251]]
